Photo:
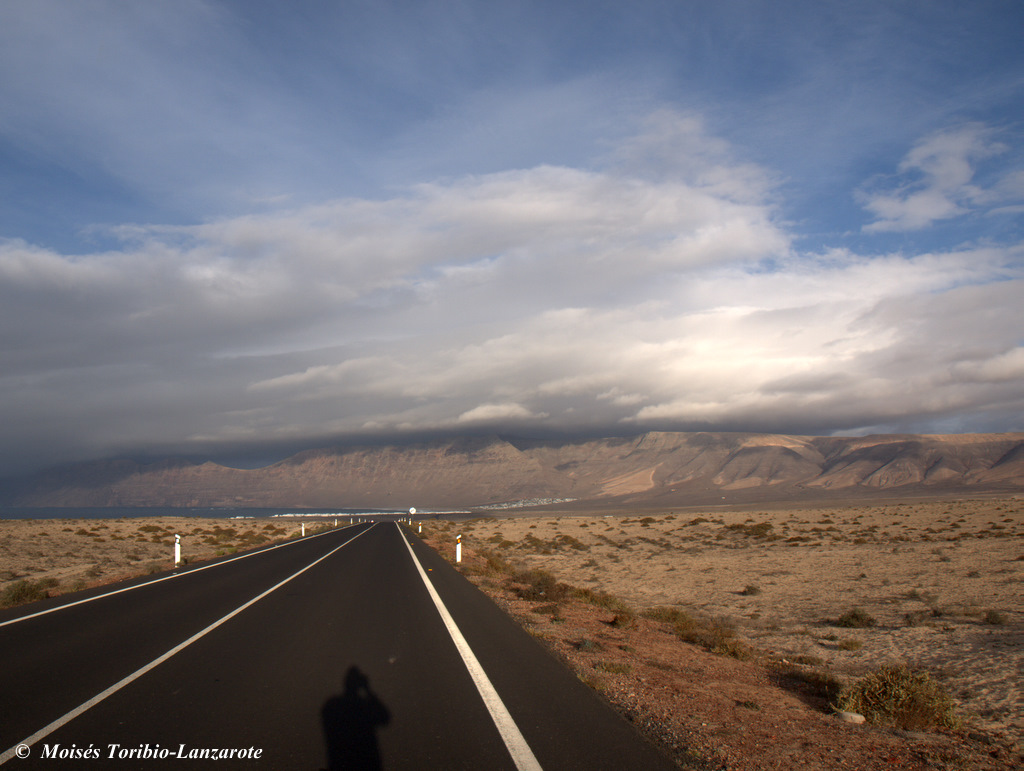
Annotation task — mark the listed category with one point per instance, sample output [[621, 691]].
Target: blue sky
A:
[[230, 226]]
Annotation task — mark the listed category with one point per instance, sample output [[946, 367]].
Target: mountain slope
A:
[[657, 468]]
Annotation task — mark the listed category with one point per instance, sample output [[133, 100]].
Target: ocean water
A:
[[98, 512]]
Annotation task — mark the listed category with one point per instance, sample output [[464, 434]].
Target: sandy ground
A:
[[77, 553], [942, 580], [928, 573]]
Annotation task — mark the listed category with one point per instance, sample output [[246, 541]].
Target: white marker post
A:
[[458, 548], [303, 529], [177, 550]]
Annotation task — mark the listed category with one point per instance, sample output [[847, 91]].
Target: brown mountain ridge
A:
[[654, 469]]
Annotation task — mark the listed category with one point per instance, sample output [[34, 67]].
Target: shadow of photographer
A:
[[350, 722]]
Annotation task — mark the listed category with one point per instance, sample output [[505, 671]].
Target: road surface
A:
[[358, 648]]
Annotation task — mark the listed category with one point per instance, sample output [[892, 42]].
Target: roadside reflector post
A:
[[303, 529], [177, 550], [335, 523], [458, 548]]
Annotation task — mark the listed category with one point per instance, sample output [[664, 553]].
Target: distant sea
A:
[[99, 512]]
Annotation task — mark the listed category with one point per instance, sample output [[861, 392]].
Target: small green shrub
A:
[[899, 697]]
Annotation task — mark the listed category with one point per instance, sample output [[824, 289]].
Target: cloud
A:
[[936, 181], [634, 295], [498, 413]]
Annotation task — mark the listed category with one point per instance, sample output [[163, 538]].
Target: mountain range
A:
[[658, 469]]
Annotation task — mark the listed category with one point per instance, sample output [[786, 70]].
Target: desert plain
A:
[[936, 585]]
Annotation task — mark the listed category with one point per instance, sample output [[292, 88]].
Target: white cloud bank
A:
[[660, 292]]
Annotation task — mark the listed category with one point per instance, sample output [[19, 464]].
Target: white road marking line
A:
[[154, 581], [520, 751], [43, 732]]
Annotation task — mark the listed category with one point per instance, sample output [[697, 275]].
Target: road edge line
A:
[[69, 716], [516, 744]]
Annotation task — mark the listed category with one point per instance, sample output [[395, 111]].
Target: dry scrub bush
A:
[[856, 618], [760, 530], [899, 697], [540, 585], [25, 591], [602, 600], [995, 617], [549, 609], [614, 667], [716, 635], [494, 563]]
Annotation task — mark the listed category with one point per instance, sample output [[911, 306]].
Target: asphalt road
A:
[[328, 652]]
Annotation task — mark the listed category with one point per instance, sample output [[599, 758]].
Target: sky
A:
[[237, 228]]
